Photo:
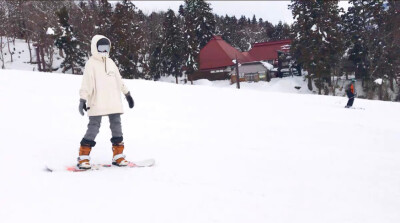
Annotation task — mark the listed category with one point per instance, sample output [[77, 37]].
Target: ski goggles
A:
[[103, 48]]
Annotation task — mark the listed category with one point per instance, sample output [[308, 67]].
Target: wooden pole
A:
[[237, 74]]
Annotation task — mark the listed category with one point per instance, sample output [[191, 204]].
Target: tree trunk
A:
[[391, 85], [309, 83], [320, 83], [176, 78], [30, 50], [1, 52], [39, 63], [51, 58], [9, 50], [72, 68], [42, 60]]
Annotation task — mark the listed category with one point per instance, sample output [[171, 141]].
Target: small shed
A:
[[253, 72]]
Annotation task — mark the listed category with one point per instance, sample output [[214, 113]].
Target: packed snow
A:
[[222, 155]]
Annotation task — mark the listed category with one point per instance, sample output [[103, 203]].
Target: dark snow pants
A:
[[351, 99], [94, 127]]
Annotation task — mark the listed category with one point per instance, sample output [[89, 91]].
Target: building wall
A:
[[210, 76], [251, 68], [251, 72]]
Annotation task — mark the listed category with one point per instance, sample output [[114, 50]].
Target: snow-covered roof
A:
[[267, 65]]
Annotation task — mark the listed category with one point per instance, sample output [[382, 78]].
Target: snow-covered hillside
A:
[[223, 155]]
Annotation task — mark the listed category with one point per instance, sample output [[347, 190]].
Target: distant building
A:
[[217, 59]]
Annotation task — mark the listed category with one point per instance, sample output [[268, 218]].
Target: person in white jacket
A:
[[100, 95]]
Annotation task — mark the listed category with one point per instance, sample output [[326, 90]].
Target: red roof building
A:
[[219, 54], [269, 50], [217, 57]]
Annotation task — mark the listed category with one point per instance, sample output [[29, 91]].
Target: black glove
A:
[[130, 100], [82, 106]]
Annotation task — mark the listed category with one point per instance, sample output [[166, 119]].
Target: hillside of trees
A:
[[144, 46], [328, 42]]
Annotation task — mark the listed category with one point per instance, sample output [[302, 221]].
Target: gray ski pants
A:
[[94, 126]]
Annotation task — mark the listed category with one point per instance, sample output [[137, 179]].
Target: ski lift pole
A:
[[237, 74]]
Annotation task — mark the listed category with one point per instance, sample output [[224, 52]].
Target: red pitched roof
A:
[[268, 50], [248, 56], [218, 54]]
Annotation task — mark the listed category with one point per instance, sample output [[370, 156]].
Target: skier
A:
[[351, 93], [100, 95]]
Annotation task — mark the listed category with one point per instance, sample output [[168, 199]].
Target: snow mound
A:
[[203, 82]]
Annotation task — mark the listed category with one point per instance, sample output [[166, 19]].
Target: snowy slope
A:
[[21, 57], [223, 155]]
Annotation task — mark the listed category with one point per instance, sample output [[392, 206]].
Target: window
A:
[[216, 71], [251, 77]]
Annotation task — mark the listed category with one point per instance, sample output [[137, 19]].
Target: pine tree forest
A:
[[327, 41]]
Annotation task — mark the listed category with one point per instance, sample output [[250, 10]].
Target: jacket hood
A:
[[94, 51]]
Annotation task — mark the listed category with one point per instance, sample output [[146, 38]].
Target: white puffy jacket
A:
[[102, 84]]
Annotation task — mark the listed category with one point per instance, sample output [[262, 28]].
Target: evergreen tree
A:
[[68, 42], [199, 29], [254, 20], [126, 38], [232, 32], [316, 38], [281, 32], [392, 38], [172, 47], [104, 13], [142, 45], [227, 29], [269, 30], [278, 33], [242, 34], [260, 31], [361, 24], [205, 22], [260, 22], [155, 36]]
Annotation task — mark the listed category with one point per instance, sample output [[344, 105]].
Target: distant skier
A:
[[351, 93], [100, 95]]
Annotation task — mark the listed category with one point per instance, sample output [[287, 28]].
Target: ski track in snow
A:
[[222, 155]]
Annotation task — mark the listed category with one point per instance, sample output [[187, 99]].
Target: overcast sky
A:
[[273, 11]]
